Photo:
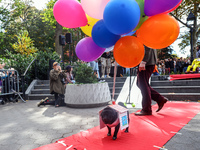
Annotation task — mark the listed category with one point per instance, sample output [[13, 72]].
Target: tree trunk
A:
[[58, 48], [195, 35]]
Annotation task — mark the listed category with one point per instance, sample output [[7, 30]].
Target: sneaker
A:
[[102, 76], [108, 76], [101, 81]]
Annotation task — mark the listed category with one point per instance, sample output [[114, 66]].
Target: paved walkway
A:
[[24, 126]]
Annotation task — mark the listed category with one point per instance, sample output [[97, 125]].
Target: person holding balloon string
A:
[[146, 68]]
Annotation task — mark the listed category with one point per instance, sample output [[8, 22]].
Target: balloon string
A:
[[114, 79]]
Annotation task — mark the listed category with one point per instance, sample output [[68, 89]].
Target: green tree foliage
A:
[[22, 16], [18, 16], [18, 61], [48, 13], [181, 14], [165, 53], [42, 62], [24, 44]]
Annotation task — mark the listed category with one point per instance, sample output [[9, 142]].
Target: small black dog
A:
[[110, 118]]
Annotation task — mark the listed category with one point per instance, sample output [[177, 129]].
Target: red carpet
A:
[[184, 76], [145, 132]]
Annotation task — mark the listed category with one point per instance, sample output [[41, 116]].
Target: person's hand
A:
[[59, 68], [142, 66]]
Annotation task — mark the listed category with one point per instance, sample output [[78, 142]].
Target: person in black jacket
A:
[[171, 65], [167, 66], [178, 66]]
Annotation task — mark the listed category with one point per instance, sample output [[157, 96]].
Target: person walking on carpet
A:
[[145, 71]]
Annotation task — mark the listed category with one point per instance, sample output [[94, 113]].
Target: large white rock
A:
[[87, 95]]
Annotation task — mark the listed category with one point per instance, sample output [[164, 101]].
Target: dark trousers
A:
[[57, 100], [148, 93], [52, 102]]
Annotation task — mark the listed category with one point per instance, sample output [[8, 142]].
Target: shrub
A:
[[84, 74]]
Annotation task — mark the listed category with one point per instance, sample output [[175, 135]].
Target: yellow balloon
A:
[[88, 28]]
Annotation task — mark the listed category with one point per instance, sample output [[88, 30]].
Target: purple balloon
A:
[[154, 7], [87, 50]]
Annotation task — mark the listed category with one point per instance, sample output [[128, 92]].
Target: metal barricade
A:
[[9, 86]]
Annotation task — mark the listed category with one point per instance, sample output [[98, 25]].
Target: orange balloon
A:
[[128, 51], [158, 31]]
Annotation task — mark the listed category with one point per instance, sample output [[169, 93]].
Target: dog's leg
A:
[[109, 131], [116, 131], [126, 130], [128, 123]]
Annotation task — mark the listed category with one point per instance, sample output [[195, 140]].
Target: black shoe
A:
[[160, 105], [142, 113]]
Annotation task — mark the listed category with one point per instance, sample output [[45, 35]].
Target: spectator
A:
[[160, 67], [178, 66], [182, 64], [185, 65], [3, 74], [2, 66], [57, 84], [189, 62], [155, 71], [163, 66], [171, 65], [105, 64], [95, 67], [69, 78], [167, 67], [174, 59], [195, 64], [198, 51]]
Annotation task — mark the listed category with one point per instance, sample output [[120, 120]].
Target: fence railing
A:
[[23, 76], [9, 85]]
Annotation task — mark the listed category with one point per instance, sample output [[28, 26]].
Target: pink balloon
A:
[[69, 13], [94, 8], [87, 50], [154, 7]]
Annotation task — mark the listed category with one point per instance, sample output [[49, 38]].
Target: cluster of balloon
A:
[[110, 25]]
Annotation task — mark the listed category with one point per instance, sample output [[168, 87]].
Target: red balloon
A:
[[128, 51]]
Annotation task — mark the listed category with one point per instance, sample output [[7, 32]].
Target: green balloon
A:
[[143, 17]]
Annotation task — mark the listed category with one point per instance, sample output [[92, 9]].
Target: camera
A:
[[62, 79]]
